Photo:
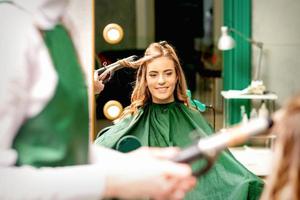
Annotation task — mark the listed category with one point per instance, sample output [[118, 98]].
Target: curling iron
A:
[[209, 147], [105, 73]]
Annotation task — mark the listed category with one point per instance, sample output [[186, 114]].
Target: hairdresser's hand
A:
[[98, 84], [148, 173]]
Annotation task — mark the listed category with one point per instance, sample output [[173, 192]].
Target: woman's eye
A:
[[169, 73], [152, 75]]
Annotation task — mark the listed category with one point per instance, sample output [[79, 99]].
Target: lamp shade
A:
[[226, 42]]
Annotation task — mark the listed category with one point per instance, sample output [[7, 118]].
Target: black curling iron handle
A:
[[188, 155]]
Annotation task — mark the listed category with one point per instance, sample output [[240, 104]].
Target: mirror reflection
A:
[[189, 26]]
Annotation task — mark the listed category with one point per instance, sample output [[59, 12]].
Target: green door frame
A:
[[237, 62]]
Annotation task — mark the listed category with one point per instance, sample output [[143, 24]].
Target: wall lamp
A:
[[226, 42], [113, 33], [112, 109]]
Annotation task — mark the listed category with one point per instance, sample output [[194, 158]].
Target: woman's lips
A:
[[162, 89]]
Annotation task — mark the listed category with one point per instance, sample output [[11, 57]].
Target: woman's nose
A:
[[161, 80]]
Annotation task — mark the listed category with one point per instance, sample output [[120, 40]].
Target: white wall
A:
[[145, 19], [276, 23]]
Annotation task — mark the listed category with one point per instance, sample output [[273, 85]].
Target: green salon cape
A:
[[171, 124], [58, 135]]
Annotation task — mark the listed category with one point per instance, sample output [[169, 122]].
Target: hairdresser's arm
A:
[[145, 173]]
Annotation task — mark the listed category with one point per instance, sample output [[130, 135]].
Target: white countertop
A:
[[257, 160]]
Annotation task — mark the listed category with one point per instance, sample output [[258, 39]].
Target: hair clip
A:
[[163, 43]]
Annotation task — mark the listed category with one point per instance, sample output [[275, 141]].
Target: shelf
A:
[[236, 94], [270, 99]]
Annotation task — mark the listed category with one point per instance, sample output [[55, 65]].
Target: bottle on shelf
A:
[[263, 111], [244, 116], [253, 113]]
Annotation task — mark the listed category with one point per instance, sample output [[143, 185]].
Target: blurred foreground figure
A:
[[284, 180]]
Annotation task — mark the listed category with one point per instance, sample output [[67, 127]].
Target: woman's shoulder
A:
[[196, 116], [191, 109], [109, 136], [121, 124]]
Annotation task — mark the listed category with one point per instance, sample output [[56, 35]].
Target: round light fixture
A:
[[113, 33], [112, 109]]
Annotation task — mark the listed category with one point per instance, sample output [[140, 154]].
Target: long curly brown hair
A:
[[141, 94], [284, 180]]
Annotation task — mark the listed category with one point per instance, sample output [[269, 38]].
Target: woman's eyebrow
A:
[[153, 71]]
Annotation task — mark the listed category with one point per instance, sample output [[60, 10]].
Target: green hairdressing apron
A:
[[162, 125], [58, 135]]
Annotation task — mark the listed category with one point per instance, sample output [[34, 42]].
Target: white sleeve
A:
[[14, 78], [73, 182], [26, 71], [76, 182]]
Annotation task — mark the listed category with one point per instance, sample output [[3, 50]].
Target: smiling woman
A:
[[161, 78], [160, 115]]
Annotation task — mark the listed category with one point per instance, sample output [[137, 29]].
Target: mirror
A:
[[192, 33]]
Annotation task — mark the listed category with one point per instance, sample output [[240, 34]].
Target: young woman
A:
[[284, 181], [160, 115]]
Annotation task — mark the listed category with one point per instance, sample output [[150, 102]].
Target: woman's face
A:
[[161, 79]]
